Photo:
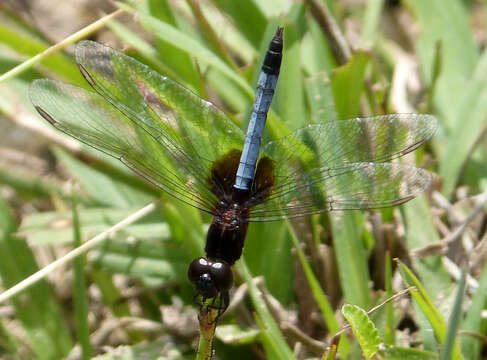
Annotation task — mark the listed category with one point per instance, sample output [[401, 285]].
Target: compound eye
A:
[[222, 276], [197, 268], [199, 273]]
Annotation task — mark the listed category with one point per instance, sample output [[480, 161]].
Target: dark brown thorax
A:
[[227, 231]]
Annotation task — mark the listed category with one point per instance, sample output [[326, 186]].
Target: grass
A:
[[129, 296]]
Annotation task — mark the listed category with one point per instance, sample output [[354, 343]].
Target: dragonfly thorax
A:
[[230, 216], [226, 233]]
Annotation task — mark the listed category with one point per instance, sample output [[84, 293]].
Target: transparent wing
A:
[[328, 152], [182, 131], [374, 139], [89, 118], [351, 186], [164, 107]]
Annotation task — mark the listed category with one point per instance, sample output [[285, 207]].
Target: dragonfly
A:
[[187, 147]]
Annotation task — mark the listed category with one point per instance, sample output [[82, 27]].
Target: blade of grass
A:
[[459, 52], [186, 225], [54, 228], [27, 46], [420, 232], [472, 107], [31, 185], [248, 18], [320, 99], [27, 282], [347, 86], [271, 350], [289, 99], [37, 311], [149, 54], [271, 258], [100, 187], [320, 297], [403, 353], [275, 335], [454, 321], [323, 56], [193, 47], [371, 22], [389, 327], [59, 46], [472, 347], [429, 309], [172, 57], [80, 297], [9, 344], [347, 83], [210, 35], [351, 258]]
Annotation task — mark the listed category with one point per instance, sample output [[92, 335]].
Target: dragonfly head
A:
[[210, 278]]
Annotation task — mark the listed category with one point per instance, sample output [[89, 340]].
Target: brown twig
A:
[[337, 41], [375, 308], [292, 331]]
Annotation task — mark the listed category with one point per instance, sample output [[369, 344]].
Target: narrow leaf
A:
[[80, 297]]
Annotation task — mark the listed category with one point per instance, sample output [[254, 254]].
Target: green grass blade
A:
[[402, 353], [100, 187], [471, 346], [323, 60], [271, 258], [29, 47], [80, 297], [61, 45], [454, 321], [320, 297], [37, 311], [276, 337], [248, 18], [172, 57], [9, 344], [320, 99], [28, 281], [144, 49], [420, 232], [429, 309], [371, 22], [289, 99], [191, 46], [31, 185], [389, 328], [347, 86], [351, 258], [460, 54], [54, 228], [425, 302], [210, 35], [472, 107], [347, 83]]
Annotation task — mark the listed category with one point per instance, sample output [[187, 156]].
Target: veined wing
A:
[[191, 129], [373, 139], [350, 186], [88, 117], [327, 152]]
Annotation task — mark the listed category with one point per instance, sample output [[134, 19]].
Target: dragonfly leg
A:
[[224, 302]]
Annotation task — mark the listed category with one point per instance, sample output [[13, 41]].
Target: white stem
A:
[[17, 288]]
